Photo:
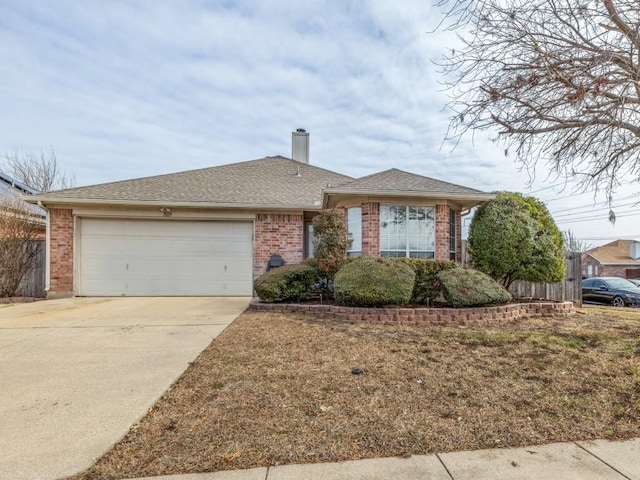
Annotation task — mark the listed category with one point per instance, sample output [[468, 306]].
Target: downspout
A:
[[47, 245]]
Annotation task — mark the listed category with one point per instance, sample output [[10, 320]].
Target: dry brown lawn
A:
[[276, 388]]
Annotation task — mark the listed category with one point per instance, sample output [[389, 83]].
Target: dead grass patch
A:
[[278, 388]]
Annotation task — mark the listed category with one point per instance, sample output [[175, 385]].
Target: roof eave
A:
[[468, 200], [50, 200], [619, 264]]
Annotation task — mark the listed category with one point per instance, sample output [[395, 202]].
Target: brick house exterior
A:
[[619, 258], [272, 199], [277, 233]]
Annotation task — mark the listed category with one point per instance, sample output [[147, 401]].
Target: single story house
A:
[[620, 258], [212, 231]]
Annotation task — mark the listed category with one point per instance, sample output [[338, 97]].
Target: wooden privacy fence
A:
[[569, 290], [32, 284]]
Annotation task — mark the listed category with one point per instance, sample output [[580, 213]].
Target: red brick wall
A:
[[442, 232], [371, 229], [278, 233], [623, 271], [612, 271], [61, 257]]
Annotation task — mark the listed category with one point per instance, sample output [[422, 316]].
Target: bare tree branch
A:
[[559, 80], [40, 172], [572, 244]]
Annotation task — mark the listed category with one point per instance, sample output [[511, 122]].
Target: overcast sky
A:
[[125, 89]]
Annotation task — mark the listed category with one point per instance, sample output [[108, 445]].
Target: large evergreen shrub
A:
[[514, 237], [373, 282]]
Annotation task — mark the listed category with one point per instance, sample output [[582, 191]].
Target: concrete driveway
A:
[[76, 373]]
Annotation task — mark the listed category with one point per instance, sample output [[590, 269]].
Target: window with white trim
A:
[[407, 231], [354, 229], [452, 235]]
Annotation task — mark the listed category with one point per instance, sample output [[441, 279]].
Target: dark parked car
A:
[[615, 291]]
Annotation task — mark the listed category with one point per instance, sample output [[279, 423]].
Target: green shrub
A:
[[470, 288], [373, 282], [288, 283], [514, 237], [427, 286], [331, 241]]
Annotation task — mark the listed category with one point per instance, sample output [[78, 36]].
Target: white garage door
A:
[[171, 257]]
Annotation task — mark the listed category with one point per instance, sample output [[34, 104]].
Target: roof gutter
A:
[[474, 198], [404, 193], [45, 199]]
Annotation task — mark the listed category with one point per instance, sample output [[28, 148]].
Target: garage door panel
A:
[[139, 257]]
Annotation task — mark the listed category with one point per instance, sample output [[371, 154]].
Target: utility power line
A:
[[597, 217], [584, 212]]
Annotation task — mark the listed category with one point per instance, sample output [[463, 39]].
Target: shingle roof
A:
[[271, 182], [394, 180], [617, 252], [267, 181]]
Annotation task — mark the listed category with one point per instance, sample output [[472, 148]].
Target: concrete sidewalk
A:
[[601, 460]]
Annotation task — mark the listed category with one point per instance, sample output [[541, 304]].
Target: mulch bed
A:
[[279, 388]]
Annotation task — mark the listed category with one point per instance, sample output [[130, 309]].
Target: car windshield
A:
[[620, 283]]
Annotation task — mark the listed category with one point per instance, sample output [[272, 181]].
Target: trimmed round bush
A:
[[373, 282], [289, 283], [427, 287], [464, 287]]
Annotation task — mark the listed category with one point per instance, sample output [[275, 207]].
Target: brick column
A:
[[61, 253], [371, 229], [282, 234], [442, 232], [458, 237]]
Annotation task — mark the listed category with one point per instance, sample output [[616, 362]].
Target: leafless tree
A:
[[573, 244], [41, 172], [559, 80], [19, 227]]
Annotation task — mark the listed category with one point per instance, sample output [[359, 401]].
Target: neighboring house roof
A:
[[267, 182], [16, 185], [11, 190], [617, 252], [271, 182]]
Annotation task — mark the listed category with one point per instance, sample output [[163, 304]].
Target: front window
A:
[[354, 229], [407, 231]]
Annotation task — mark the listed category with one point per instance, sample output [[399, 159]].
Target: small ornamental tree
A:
[[331, 242], [514, 237], [18, 250]]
